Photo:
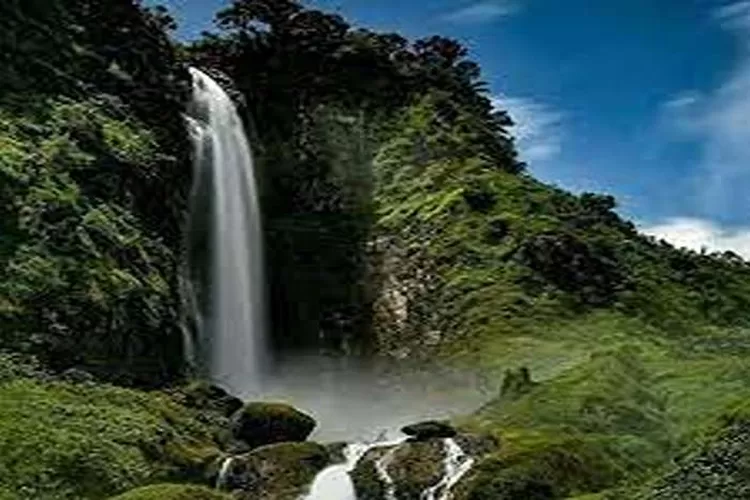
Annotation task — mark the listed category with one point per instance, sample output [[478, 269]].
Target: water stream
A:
[[225, 220]]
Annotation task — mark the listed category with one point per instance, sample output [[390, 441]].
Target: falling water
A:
[[457, 463], [226, 467], [225, 220], [381, 466], [335, 482]]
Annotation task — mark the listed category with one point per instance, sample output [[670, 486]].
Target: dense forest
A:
[[400, 224]]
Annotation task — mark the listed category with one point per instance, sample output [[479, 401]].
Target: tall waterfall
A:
[[225, 243]]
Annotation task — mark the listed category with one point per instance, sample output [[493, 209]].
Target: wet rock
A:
[[411, 468], [336, 452], [415, 466], [275, 472], [204, 396], [477, 445], [259, 424], [424, 431], [367, 481]]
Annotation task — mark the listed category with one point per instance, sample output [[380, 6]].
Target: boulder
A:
[[259, 424], [412, 467], [208, 397], [173, 492], [424, 431], [275, 472]]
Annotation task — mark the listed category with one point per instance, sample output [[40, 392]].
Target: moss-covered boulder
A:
[[72, 441], [205, 396], [173, 492], [412, 467], [367, 481], [259, 424], [415, 466], [429, 430], [275, 472]]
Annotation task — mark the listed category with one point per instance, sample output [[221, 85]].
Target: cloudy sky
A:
[[648, 100]]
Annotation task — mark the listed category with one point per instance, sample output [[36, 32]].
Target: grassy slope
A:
[[66, 441], [640, 348]]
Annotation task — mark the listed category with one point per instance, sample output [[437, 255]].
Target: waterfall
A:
[[381, 466], [457, 463], [224, 470], [335, 482], [226, 243]]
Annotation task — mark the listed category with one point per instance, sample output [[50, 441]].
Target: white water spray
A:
[[231, 319], [457, 463], [226, 467], [335, 482]]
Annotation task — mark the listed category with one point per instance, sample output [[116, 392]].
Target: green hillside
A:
[[401, 225]]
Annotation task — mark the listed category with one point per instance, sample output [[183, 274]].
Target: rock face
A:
[[259, 424], [274, 472], [429, 430], [410, 469]]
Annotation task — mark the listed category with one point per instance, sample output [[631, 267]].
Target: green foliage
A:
[[14, 366], [173, 492], [63, 441], [326, 95], [480, 251], [84, 280]]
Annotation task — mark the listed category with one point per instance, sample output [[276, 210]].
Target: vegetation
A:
[[400, 222], [65, 441], [173, 492], [93, 163]]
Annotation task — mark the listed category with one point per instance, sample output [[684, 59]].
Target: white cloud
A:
[[720, 121], [482, 12], [698, 234], [537, 129], [682, 100], [734, 15]]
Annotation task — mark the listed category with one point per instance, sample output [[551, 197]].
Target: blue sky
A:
[[648, 100]]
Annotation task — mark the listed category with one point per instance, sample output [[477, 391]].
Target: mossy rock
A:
[[173, 492], [202, 395], [259, 424], [367, 483], [429, 430], [61, 440], [337, 451], [415, 466], [277, 471]]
